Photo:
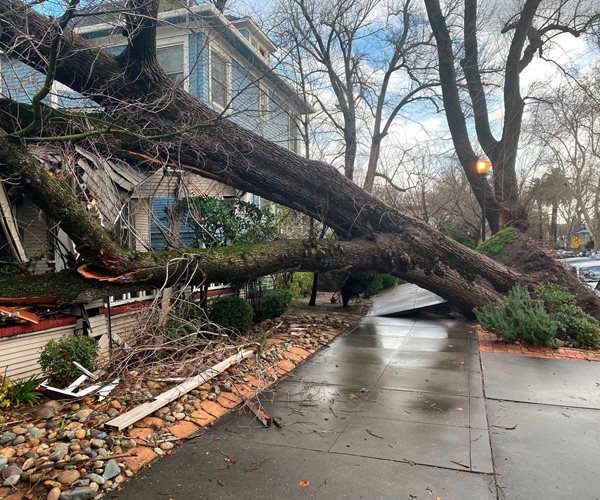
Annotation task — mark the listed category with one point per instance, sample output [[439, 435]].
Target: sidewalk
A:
[[393, 409], [544, 418]]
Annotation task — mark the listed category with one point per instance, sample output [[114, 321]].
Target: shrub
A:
[[301, 285], [389, 281], [273, 303], [231, 312], [555, 296], [572, 322], [57, 358], [519, 317], [575, 324], [365, 284], [5, 390]]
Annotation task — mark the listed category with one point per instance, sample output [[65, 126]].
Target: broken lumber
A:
[[132, 416], [261, 415]]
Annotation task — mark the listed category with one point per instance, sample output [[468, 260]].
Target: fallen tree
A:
[[164, 124]]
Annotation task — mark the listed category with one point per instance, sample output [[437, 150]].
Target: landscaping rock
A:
[[68, 476], [54, 494], [95, 478], [85, 493], [12, 480], [83, 415], [58, 455], [11, 470], [19, 431], [80, 433], [111, 469], [7, 437]]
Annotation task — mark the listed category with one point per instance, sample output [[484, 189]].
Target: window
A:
[[218, 79], [171, 61]]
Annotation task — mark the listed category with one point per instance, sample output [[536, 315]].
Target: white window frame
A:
[[126, 298], [228, 62], [173, 41]]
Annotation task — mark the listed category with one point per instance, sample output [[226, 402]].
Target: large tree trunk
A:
[[219, 149]]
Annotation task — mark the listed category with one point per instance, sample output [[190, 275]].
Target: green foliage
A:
[[57, 358], [573, 323], [23, 391], [5, 391], [301, 285], [273, 303], [231, 312], [367, 284], [389, 281], [227, 221], [519, 317], [496, 243], [555, 296], [459, 232]]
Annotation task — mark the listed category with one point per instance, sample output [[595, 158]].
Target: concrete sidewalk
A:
[[392, 409], [395, 408], [545, 426]]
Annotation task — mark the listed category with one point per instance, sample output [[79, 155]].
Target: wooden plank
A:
[[107, 389], [261, 415], [76, 383], [131, 417], [84, 370], [13, 312]]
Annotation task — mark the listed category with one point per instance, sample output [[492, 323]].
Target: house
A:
[[223, 61]]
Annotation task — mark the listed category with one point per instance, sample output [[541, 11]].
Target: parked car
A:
[[588, 272], [573, 261]]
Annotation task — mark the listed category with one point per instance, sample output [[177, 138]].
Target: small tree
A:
[[227, 221]]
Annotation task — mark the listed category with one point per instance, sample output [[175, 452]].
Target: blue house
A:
[[223, 61]]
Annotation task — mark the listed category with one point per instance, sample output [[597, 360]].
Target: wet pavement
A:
[[395, 408], [545, 426], [392, 409]]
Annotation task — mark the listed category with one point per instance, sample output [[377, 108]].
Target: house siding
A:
[[20, 354]]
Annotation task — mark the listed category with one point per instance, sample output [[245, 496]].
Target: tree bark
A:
[[219, 149]]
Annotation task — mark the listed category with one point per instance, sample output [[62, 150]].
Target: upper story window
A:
[[219, 78], [171, 61]]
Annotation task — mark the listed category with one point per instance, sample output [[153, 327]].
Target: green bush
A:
[[572, 322], [231, 312], [389, 281], [555, 296], [365, 284], [301, 285], [273, 303], [519, 317], [58, 355]]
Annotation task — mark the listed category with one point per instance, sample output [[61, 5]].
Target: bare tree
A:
[[566, 125], [532, 26]]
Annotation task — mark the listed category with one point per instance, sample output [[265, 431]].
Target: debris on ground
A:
[[64, 446]]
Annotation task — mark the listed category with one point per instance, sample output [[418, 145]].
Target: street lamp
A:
[[483, 167]]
